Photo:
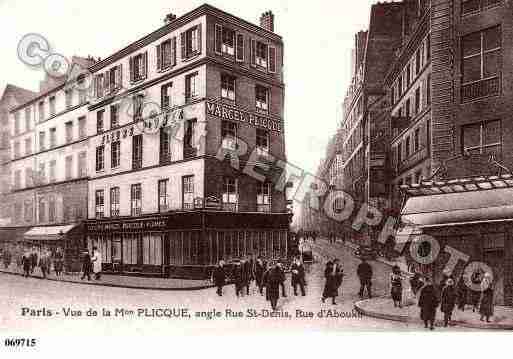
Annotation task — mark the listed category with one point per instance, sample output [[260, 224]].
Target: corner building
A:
[[172, 111]]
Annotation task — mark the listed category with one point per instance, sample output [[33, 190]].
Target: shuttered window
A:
[[190, 42], [138, 67], [166, 54]]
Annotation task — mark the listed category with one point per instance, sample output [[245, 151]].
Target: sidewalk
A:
[[120, 281], [383, 308]]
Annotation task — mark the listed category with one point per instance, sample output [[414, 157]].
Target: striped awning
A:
[[49, 233]]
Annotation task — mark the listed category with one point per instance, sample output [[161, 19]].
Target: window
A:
[[135, 200], [229, 135], [407, 108], [165, 148], [99, 121], [53, 137], [191, 42], [28, 211], [407, 147], [165, 96], [113, 79], [68, 94], [137, 151], [17, 179], [240, 47], [138, 67], [166, 54], [52, 105], [262, 98], [82, 90], [41, 110], [69, 167], [272, 59], [138, 104], [188, 192], [189, 140], [264, 197], [42, 139], [262, 141], [228, 87], [28, 177], [17, 152], [163, 196], [99, 200], [17, 123], [191, 86], [224, 40], [475, 6], [100, 161], [416, 140], [230, 196], [53, 165], [152, 249], [114, 202], [51, 208], [417, 100], [259, 49], [82, 164], [42, 173], [115, 154], [27, 119], [114, 116], [41, 210], [99, 83], [82, 127], [482, 138], [481, 54], [69, 131], [28, 146]]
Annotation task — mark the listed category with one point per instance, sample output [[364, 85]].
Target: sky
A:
[[318, 38]]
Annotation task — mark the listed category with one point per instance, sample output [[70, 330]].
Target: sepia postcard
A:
[[259, 167]]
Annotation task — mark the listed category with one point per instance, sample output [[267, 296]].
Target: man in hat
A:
[[238, 278], [86, 265], [279, 268], [219, 277], [260, 268]]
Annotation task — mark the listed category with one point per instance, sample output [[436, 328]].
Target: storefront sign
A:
[[230, 113], [147, 224], [116, 135], [211, 202]]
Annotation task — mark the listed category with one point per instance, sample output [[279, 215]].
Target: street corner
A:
[[383, 308]]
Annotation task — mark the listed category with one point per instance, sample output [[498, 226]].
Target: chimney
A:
[[169, 18], [267, 21]]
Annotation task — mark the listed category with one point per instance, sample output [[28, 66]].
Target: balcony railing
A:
[[478, 89]]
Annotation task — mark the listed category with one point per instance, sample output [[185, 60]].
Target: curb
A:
[[408, 319], [111, 285]]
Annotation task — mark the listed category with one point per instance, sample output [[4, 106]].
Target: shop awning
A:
[[478, 206], [50, 233]]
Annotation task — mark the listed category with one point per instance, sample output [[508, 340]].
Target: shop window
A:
[[152, 249], [130, 248], [264, 197], [106, 250], [230, 197], [483, 138]]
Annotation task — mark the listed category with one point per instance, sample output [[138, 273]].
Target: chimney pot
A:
[[267, 21], [169, 18]]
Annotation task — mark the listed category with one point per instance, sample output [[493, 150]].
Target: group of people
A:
[[268, 276], [307, 235], [45, 259], [91, 263], [446, 294]]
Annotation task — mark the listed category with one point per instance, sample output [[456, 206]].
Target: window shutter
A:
[[218, 38], [159, 57], [199, 39], [182, 44], [145, 64], [253, 52], [272, 59], [96, 92], [131, 65], [119, 76], [173, 51], [239, 47], [106, 81]]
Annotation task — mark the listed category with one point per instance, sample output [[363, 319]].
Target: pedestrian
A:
[[461, 290], [415, 283], [448, 301], [237, 278], [219, 277], [260, 269], [396, 286], [364, 273], [273, 283], [33, 260], [333, 275], [96, 261], [428, 302], [475, 294], [58, 262], [44, 263], [86, 265], [279, 267], [486, 298], [248, 264], [7, 257], [26, 261], [314, 236], [298, 276]]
